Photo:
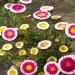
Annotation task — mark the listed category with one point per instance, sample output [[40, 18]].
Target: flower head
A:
[[3, 28], [63, 48], [44, 44], [26, 1], [7, 5], [12, 71], [67, 64], [56, 17], [43, 25], [28, 67], [9, 34], [22, 52], [34, 51], [7, 47], [51, 68], [70, 31], [41, 15], [19, 44], [24, 26], [47, 8], [61, 25], [2, 53], [52, 59], [17, 8]]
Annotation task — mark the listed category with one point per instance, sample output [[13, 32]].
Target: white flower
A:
[[56, 17], [47, 8], [44, 44], [26, 1], [61, 25], [7, 47], [43, 25]]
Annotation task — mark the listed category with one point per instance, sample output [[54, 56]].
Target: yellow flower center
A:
[[22, 52], [52, 68], [41, 14], [9, 33], [24, 26], [7, 46], [43, 25], [44, 44], [28, 67], [12, 72], [72, 30], [62, 25]]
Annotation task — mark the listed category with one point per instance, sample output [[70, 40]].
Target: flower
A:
[[44, 44], [19, 44], [7, 5], [34, 51], [52, 59], [3, 28], [22, 52], [41, 15], [56, 17], [18, 64], [28, 67], [7, 47], [12, 71], [41, 73], [46, 8], [2, 53], [63, 48], [9, 34], [67, 64], [43, 25], [61, 25], [24, 26], [17, 8], [26, 1], [70, 31], [51, 68]]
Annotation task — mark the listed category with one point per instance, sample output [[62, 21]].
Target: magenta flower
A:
[[26, 1], [7, 5], [51, 68], [41, 15], [28, 67], [9, 34], [67, 64], [17, 8]]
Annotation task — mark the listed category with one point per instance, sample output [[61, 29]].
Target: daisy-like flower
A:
[[7, 5], [43, 25], [67, 64], [26, 1], [34, 51], [9, 34], [28, 67], [56, 17], [24, 26], [7, 47], [61, 25], [46, 8], [2, 53], [19, 44], [51, 68], [42, 15], [52, 59], [17, 8], [44, 44], [12, 71], [22, 52], [41, 73], [70, 31], [3, 28], [63, 48]]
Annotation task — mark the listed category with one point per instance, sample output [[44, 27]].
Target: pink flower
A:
[[67, 64], [17, 8], [51, 68], [41, 15], [70, 31], [28, 67], [7, 5], [26, 1], [9, 34]]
